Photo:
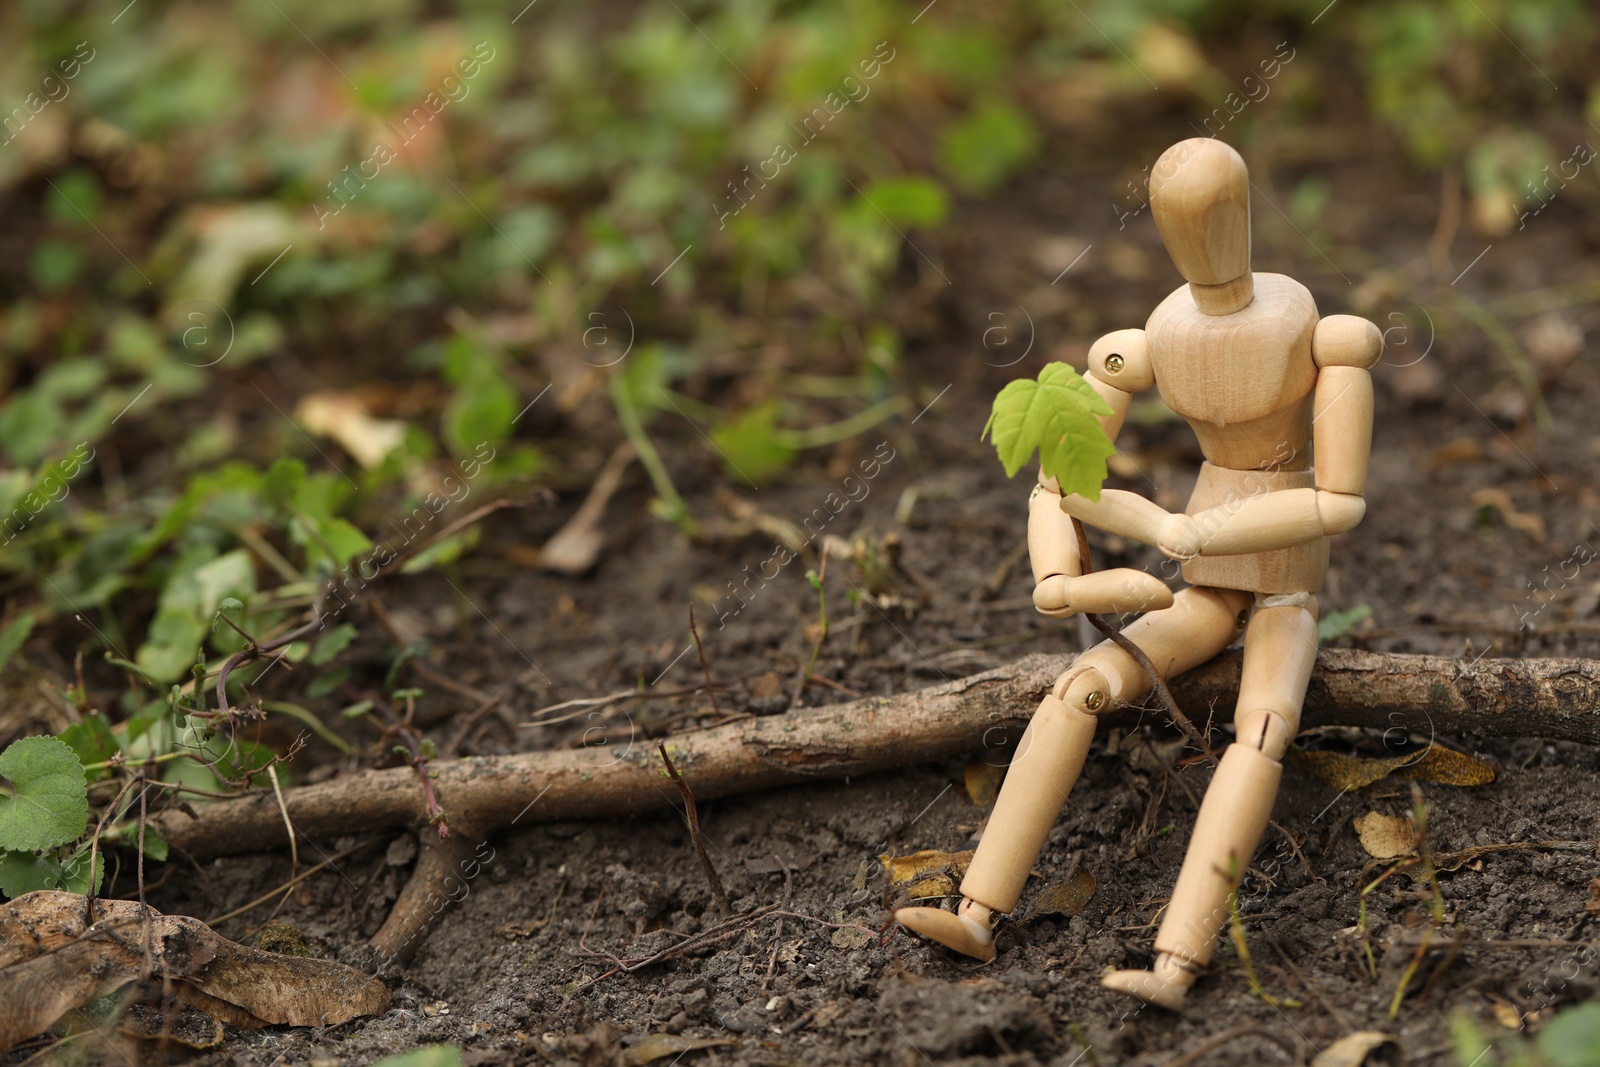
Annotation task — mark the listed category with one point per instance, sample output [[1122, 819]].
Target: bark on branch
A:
[[1553, 698], [1429, 695]]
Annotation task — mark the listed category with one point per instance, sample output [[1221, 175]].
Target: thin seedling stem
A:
[[1116, 636], [693, 815]]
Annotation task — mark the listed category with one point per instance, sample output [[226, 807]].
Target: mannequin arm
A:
[[1343, 347], [1052, 546], [1118, 367]]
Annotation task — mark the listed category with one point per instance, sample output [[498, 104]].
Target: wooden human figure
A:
[[1246, 361]]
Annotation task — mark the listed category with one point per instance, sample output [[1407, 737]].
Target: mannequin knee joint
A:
[[1268, 730], [1086, 690]]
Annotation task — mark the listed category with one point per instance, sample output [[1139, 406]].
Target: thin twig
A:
[[711, 690], [1233, 1035], [457, 526], [454, 745], [717, 891], [1179, 719], [291, 883], [418, 758], [294, 845], [253, 651]]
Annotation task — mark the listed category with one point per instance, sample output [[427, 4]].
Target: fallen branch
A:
[[1557, 699]]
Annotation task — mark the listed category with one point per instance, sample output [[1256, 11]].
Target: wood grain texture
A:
[[1200, 197], [1300, 569], [1341, 428]]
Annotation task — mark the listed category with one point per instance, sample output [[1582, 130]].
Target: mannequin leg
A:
[[1200, 623], [1279, 651]]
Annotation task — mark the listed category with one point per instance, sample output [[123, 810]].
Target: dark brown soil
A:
[[1442, 570]]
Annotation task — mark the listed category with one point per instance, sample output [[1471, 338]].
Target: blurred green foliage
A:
[[215, 209]]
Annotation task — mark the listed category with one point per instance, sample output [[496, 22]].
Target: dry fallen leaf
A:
[[344, 418], [1067, 897], [983, 781], [657, 1046], [1454, 861], [576, 547], [1386, 837], [1352, 1049], [53, 960], [1435, 764], [1505, 1013], [929, 873], [1460, 450], [1499, 499]]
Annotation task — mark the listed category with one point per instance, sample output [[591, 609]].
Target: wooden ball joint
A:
[[1267, 386]]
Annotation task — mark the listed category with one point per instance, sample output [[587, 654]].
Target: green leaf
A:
[[484, 404], [75, 872], [641, 379], [1056, 416], [983, 149], [25, 872], [282, 483], [427, 1056], [74, 199], [12, 636], [332, 643], [49, 804], [189, 601], [908, 202], [155, 846], [750, 445], [1572, 1038], [1336, 624], [92, 740]]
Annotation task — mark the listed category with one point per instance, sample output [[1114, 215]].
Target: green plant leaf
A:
[[484, 404], [1572, 1038], [49, 805], [332, 643], [908, 202], [1336, 624], [12, 636], [427, 1056], [155, 846], [1054, 414], [92, 740], [282, 482], [75, 871], [24, 872], [750, 444], [981, 150]]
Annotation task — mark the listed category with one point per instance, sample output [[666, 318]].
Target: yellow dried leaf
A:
[[1340, 771], [344, 418], [1435, 764], [929, 873], [1385, 837], [1351, 1050], [1505, 1013], [1067, 897], [657, 1046], [1449, 767], [983, 781]]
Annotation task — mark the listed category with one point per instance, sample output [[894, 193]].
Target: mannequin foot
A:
[[969, 930], [1164, 985]]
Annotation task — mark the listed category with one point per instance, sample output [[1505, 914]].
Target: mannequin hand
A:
[[1119, 590], [1179, 538], [1052, 597]]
